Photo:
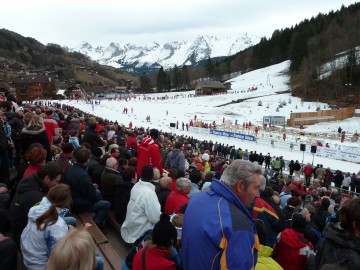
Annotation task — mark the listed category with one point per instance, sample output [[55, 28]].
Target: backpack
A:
[[138, 244]]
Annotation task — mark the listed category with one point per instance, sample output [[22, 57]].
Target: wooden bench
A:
[[113, 221], [108, 253]]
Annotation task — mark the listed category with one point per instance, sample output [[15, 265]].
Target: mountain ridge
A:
[[151, 55]]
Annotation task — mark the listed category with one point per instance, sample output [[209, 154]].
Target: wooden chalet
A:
[[209, 88], [73, 92], [30, 87]]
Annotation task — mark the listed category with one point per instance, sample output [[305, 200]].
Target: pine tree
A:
[[145, 84], [210, 67], [185, 82], [161, 80], [176, 77]]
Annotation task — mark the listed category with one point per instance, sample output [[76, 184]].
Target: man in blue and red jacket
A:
[[218, 230]]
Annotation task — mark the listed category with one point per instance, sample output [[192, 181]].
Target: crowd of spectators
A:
[[198, 204]]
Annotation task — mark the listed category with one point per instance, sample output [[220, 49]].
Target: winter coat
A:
[[16, 123], [108, 184], [74, 141], [30, 191], [155, 259], [162, 195], [149, 154], [292, 250], [198, 163], [51, 127], [83, 193], [94, 160], [131, 142], [143, 211], [218, 231], [340, 247], [92, 138], [265, 262], [37, 245], [122, 198], [297, 166], [32, 135], [32, 169], [96, 174], [176, 159], [308, 170], [263, 211], [175, 199]]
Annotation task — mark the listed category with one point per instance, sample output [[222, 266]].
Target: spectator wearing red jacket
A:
[[293, 251], [51, 125], [149, 153], [179, 196], [131, 142], [308, 171]]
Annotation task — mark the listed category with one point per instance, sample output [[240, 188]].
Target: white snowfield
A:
[[268, 81]]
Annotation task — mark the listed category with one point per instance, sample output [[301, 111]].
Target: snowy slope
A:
[[125, 54], [268, 80]]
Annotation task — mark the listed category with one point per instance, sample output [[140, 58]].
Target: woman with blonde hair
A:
[[45, 227], [35, 132], [75, 251]]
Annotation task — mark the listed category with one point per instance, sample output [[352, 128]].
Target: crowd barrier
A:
[[340, 152]]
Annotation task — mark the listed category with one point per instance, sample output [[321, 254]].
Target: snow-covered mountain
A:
[[134, 58]]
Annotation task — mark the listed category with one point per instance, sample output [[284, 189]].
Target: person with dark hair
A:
[[293, 251], [342, 238], [91, 137], [98, 170], [149, 153], [176, 158], [265, 262], [323, 212], [143, 210], [15, 120], [66, 157], [155, 255], [95, 156], [45, 227], [195, 178], [30, 191], [122, 193], [86, 197]]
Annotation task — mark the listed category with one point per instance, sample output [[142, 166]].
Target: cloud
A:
[[70, 22]]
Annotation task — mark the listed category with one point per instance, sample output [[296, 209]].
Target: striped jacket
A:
[[218, 232]]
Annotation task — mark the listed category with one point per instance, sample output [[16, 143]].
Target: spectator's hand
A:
[[3, 190], [96, 186], [3, 238]]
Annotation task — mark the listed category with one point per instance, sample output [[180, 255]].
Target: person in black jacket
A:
[[291, 168], [86, 197], [30, 191], [122, 193], [91, 137], [16, 122], [35, 132], [342, 238]]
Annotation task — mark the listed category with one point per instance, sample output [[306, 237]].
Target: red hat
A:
[[347, 196]]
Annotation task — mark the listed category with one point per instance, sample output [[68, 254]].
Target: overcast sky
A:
[[69, 22]]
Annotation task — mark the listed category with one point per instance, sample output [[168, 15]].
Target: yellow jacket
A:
[[265, 262]]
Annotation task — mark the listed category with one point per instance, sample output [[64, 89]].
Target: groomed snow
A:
[[268, 82]]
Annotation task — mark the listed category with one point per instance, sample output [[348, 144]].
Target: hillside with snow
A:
[[271, 82], [131, 57]]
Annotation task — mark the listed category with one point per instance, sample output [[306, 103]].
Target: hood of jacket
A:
[[32, 182], [291, 239], [41, 208], [147, 141], [333, 232], [265, 251], [32, 130]]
